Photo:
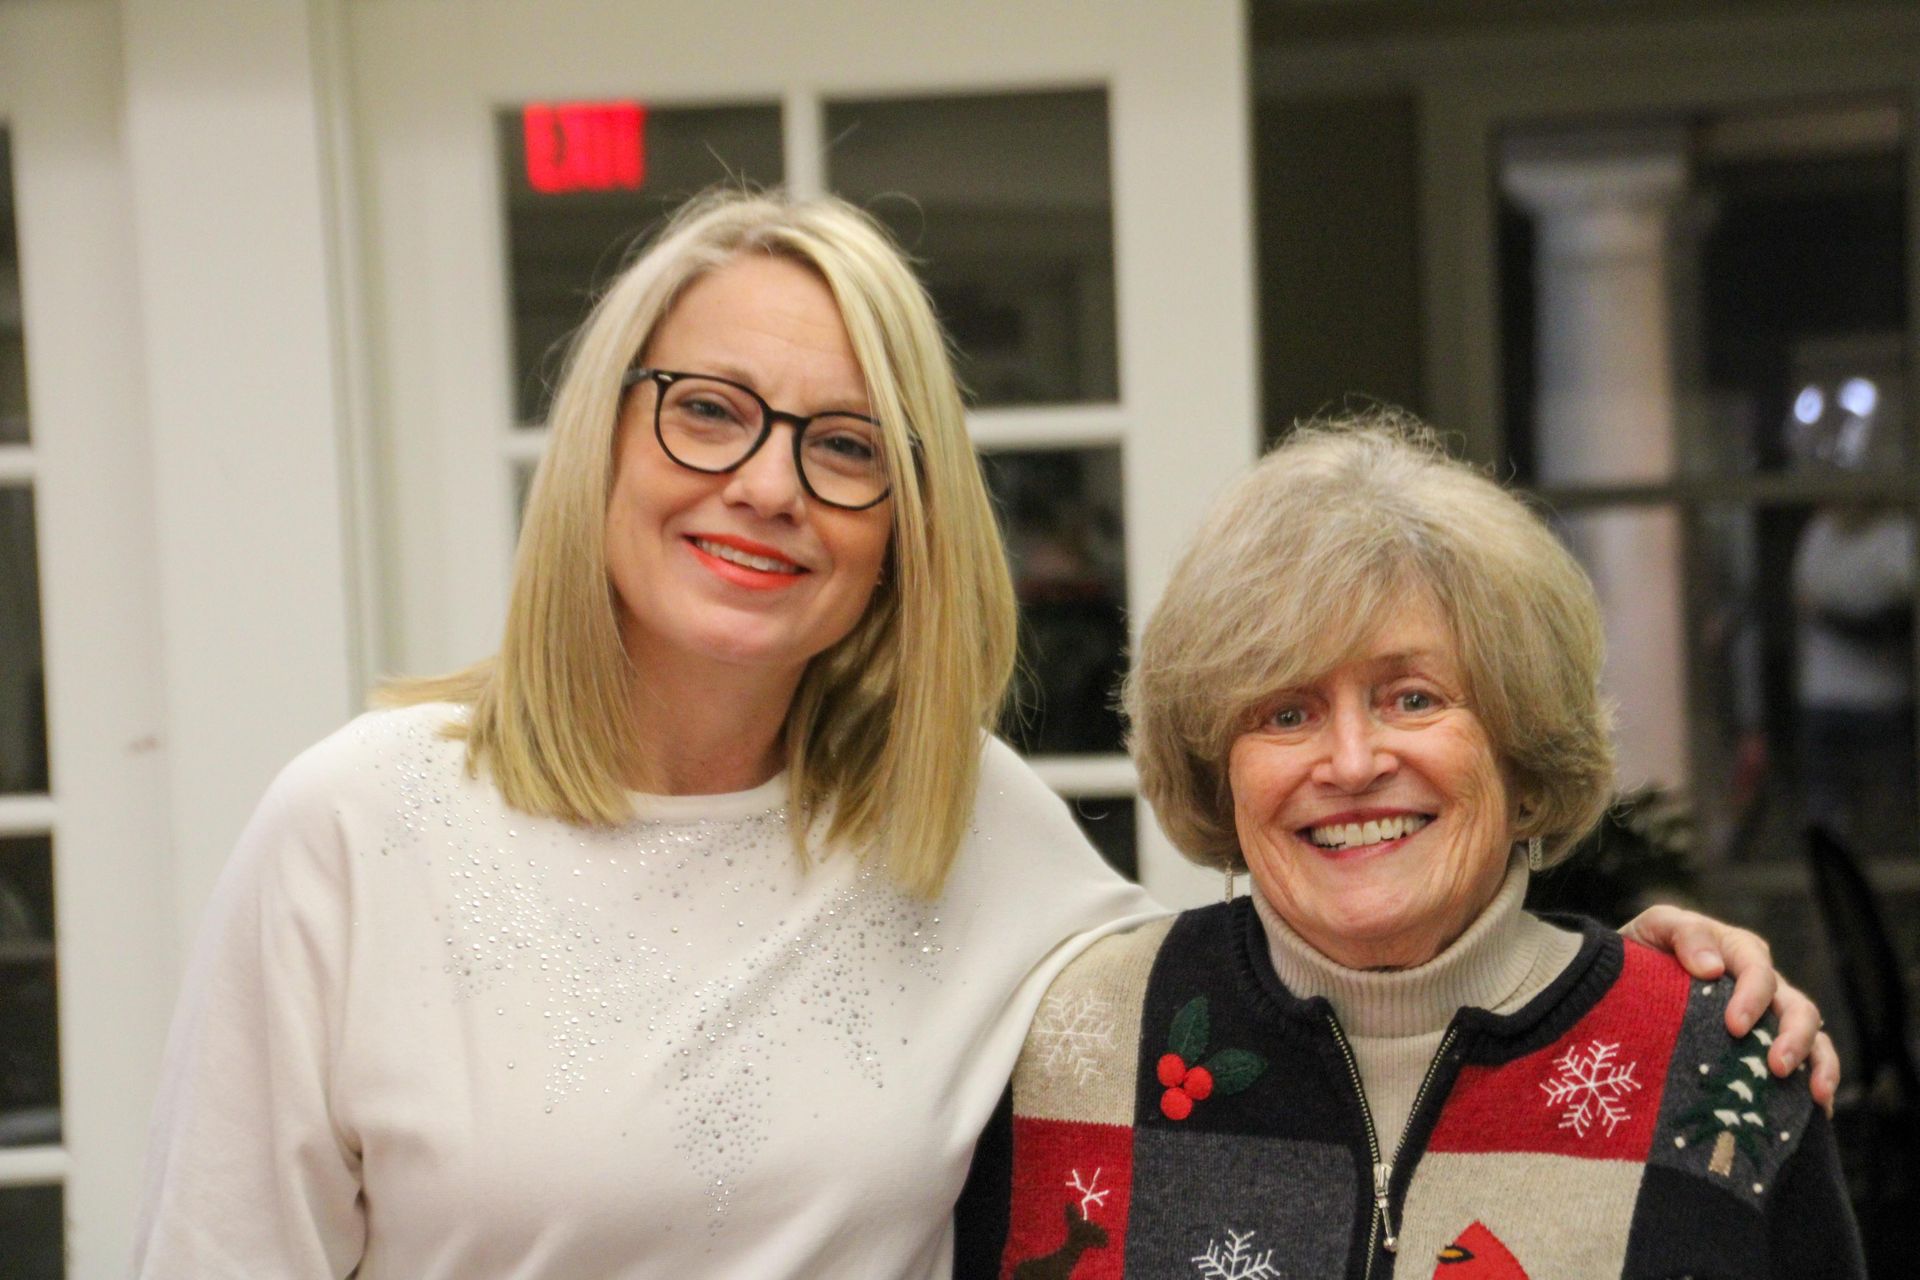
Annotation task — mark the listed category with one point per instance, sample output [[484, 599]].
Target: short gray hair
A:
[[1298, 566]]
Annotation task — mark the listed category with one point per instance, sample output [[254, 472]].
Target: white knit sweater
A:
[[426, 1036]]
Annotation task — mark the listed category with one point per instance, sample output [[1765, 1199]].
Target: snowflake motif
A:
[[1237, 1261], [1069, 1034], [1590, 1087]]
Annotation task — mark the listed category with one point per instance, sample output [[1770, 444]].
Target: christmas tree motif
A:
[[1236, 1260], [1226, 1072], [1070, 1033], [1590, 1087], [1731, 1110]]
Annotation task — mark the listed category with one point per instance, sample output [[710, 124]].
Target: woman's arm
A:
[[248, 1174], [1706, 948]]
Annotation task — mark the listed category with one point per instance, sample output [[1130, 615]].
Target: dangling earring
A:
[[1231, 873], [1534, 854]]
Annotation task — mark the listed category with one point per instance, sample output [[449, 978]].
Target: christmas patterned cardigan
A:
[[1177, 1112]]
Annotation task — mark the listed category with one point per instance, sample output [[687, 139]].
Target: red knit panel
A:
[[1049, 1158], [1595, 1092]]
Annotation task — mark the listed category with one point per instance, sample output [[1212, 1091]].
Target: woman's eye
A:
[[1289, 718], [705, 409], [1415, 700], [846, 447]]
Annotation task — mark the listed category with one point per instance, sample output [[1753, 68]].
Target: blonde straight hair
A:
[[885, 731]]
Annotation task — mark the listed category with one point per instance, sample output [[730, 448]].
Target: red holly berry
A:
[[1198, 1084], [1173, 1069], [1176, 1104]]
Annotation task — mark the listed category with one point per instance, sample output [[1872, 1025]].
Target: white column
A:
[[229, 125], [1605, 408]]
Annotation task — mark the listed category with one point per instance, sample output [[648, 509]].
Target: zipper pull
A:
[[1382, 1175]]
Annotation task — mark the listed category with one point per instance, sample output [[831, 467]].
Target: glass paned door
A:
[[30, 1129]]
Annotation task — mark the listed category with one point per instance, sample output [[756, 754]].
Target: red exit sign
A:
[[585, 146]]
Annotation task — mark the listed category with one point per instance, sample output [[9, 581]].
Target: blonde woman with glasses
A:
[[697, 930]]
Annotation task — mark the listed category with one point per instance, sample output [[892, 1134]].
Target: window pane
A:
[[573, 220], [23, 710], [1061, 513], [1004, 200], [1804, 622], [13, 350], [29, 1042], [1717, 297], [1110, 823], [31, 1225]]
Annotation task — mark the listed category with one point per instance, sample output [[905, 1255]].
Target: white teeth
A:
[[1352, 835], [733, 555]]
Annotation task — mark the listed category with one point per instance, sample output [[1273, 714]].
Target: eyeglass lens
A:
[[713, 426]]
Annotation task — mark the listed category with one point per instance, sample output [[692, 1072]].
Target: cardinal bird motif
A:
[[1477, 1254]]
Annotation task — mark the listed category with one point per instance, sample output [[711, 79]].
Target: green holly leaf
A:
[[1235, 1069], [1189, 1038]]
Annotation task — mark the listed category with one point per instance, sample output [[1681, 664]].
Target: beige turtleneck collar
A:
[[1394, 1018]]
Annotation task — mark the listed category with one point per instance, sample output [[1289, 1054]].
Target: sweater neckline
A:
[[1490, 1037], [729, 806], [1483, 968]]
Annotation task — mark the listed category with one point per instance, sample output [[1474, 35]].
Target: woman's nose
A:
[[769, 481], [1356, 756]]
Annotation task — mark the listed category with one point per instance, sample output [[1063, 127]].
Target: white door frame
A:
[[89, 465], [429, 77]]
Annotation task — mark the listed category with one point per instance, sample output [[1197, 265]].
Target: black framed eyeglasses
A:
[[715, 424]]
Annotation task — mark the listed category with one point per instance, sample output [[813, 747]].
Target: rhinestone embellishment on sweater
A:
[[608, 938]]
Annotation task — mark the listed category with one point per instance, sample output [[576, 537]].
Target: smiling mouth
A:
[[746, 559], [1357, 835]]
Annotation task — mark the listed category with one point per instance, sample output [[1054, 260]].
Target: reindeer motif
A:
[[1082, 1234]]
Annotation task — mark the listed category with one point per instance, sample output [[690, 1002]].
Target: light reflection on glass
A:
[[1109, 822]]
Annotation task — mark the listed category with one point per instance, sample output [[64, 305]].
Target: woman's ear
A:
[[1523, 815]]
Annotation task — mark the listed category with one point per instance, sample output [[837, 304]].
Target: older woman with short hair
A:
[[1374, 684]]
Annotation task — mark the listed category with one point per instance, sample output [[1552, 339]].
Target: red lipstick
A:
[[741, 575]]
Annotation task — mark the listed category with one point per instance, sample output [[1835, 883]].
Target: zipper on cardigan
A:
[[1382, 1173], [1380, 1228], [1426, 1082], [1382, 1180]]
